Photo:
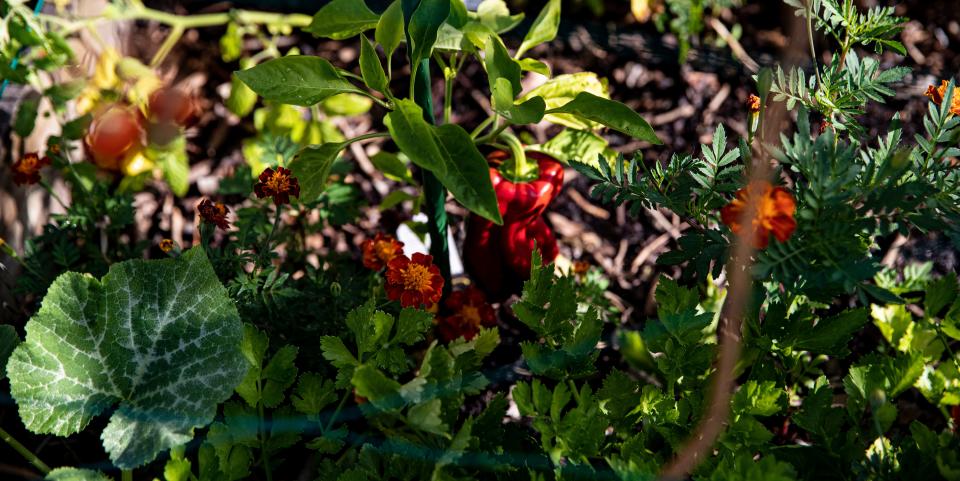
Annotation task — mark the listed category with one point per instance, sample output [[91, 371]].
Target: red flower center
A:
[[471, 314], [28, 164], [278, 182], [385, 250], [416, 277]]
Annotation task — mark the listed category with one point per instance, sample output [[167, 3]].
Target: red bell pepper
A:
[[498, 257]]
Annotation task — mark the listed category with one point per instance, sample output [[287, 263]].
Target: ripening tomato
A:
[[114, 136], [172, 105]]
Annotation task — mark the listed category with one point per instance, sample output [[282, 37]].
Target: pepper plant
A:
[[438, 34]]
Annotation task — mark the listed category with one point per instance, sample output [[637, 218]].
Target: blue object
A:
[[16, 58]]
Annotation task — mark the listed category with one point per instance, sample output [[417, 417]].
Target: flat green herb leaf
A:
[[312, 168], [389, 32], [426, 417], [341, 19], [610, 113], [335, 351], [158, 339], [312, 394], [370, 67], [279, 374], [381, 391], [831, 335], [544, 28], [412, 325], [673, 298], [296, 80], [940, 293], [423, 27], [759, 399]]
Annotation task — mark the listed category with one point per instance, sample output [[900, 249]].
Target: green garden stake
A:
[[434, 192]]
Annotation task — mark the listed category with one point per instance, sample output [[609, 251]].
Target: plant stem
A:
[[372, 135], [521, 168], [448, 97], [127, 475], [167, 46], [336, 412], [264, 459], [492, 135], [813, 50], [49, 189], [26, 453], [483, 125], [266, 245], [245, 17]]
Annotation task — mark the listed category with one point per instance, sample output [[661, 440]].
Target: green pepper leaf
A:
[[392, 167], [26, 117], [160, 340], [342, 19], [423, 27], [467, 175], [501, 66], [296, 80], [389, 31], [370, 67], [242, 99], [312, 168], [610, 113], [448, 152], [544, 28], [529, 112]]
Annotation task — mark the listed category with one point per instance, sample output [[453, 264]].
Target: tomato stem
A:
[[26, 453]]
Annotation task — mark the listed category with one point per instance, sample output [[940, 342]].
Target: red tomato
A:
[[171, 105], [114, 135]]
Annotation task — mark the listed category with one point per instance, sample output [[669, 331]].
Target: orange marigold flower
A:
[[937, 95], [414, 282], [753, 103], [469, 312], [27, 169], [278, 184], [379, 251], [214, 213], [775, 210], [580, 268], [166, 245]]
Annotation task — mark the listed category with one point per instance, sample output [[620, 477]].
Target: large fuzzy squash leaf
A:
[[158, 340], [75, 474]]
